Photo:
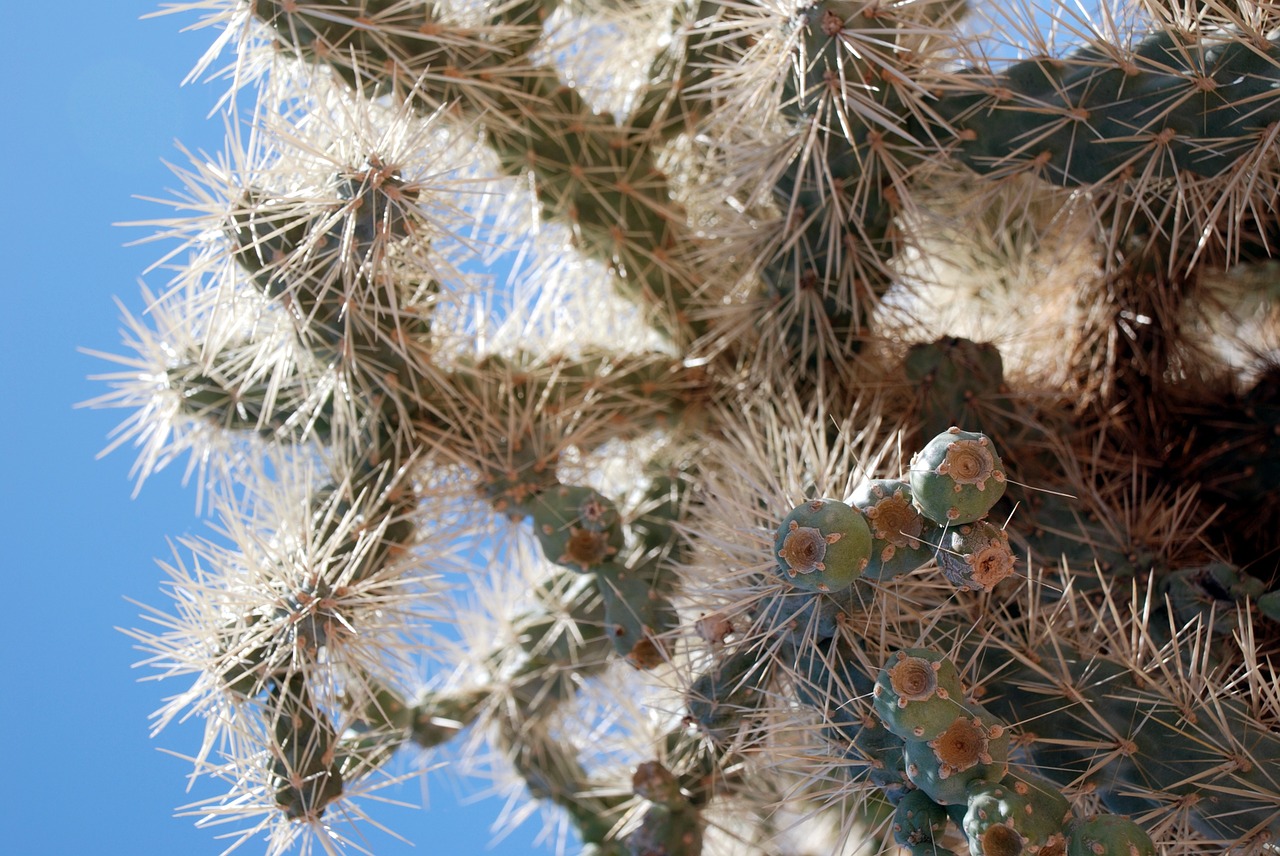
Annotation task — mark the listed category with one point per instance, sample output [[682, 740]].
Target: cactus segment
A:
[[636, 613], [882, 750], [901, 537], [672, 825], [805, 616], [918, 694], [957, 382], [1180, 102], [974, 746], [823, 545], [1108, 835], [1017, 815], [957, 477], [918, 820], [307, 774], [976, 556], [437, 717], [577, 527], [1210, 594], [721, 698]]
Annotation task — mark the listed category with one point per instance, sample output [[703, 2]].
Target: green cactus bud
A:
[[918, 694], [976, 556], [577, 527], [823, 545], [918, 820], [1108, 835], [901, 537], [957, 477], [974, 746]]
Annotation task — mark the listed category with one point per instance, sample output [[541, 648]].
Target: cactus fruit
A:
[[901, 537], [577, 527], [1019, 814], [918, 694], [823, 545], [1107, 835], [976, 556], [957, 477], [973, 746]]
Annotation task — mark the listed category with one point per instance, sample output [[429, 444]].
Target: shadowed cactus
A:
[[740, 428]]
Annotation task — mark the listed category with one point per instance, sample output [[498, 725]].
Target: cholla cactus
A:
[[753, 427]]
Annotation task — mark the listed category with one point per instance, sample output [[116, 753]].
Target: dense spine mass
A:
[[751, 428]]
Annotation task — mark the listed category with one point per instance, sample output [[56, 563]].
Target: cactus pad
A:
[[1108, 835]]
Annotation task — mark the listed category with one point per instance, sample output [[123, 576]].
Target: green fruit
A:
[[974, 746], [901, 537], [1108, 835], [918, 820], [823, 545], [918, 694], [1017, 815], [577, 527], [976, 556], [957, 477]]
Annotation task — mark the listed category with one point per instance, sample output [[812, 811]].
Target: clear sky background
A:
[[92, 102]]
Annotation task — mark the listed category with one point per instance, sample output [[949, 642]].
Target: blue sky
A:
[[93, 104]]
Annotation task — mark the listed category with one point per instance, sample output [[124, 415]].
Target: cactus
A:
[[754, 428]]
